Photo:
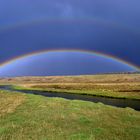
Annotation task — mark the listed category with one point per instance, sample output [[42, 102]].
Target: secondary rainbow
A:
[[89, 20], [70, 50]]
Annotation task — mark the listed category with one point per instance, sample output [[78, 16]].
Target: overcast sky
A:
[[107, 26]]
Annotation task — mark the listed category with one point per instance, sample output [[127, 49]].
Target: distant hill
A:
[[134, 72]]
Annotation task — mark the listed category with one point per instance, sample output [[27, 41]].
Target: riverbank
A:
[[24, 116], [120, 91]]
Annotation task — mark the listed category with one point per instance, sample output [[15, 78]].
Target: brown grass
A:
[[108, 78], [110, 85], [9, 102]]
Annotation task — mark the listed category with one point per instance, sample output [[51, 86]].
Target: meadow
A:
[[108, 85], [27, 116]]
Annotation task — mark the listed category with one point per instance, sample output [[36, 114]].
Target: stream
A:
[[132, 103]]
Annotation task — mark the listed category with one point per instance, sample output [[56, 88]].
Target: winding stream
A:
[[132, 103]]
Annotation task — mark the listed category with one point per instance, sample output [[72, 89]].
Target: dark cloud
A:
[[110, 27]]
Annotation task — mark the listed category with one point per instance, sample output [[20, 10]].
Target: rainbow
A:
[[70, 50], [86, 20]]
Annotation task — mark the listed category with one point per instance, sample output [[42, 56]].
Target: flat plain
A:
[[27, 116]]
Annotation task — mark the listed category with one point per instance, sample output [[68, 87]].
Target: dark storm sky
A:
[[107, 26]]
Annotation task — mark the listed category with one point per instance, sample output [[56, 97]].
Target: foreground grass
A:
[[9, 102], [42, 118]]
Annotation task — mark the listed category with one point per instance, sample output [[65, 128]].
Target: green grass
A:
[[40, 118]]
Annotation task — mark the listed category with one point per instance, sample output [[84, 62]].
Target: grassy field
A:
[[128, 91], [33, 117], [104, 78], [109, 85]]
